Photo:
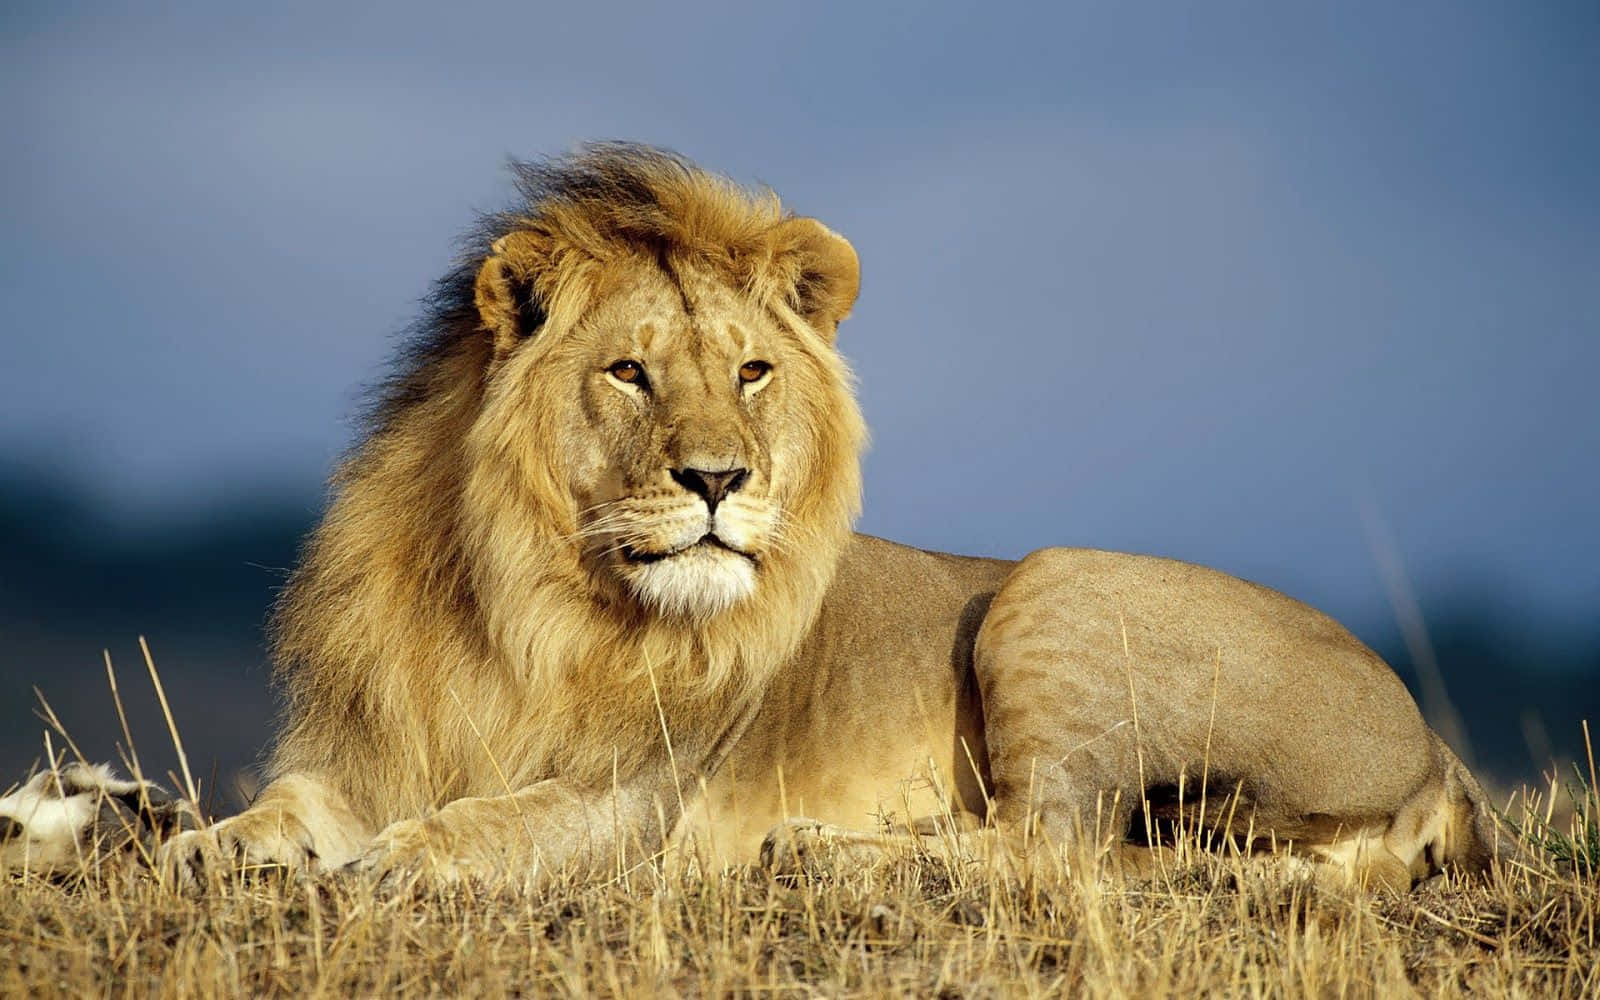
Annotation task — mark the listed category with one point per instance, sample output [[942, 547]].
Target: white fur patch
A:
[[702, 578], [75, 818], [744, 522], [51, 825], [701, 582]]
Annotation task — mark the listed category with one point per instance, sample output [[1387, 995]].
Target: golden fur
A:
[[529, 636], [444, 572]]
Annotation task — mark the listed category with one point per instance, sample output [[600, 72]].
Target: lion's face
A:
[[689, 430], [693, 413]]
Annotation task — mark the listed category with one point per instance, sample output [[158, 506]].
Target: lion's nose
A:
[[711, 486]]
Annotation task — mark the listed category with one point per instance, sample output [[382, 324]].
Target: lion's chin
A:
[[699, 582]]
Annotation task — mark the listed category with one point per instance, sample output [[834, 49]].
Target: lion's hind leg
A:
[[807, 848], [1446, 824]]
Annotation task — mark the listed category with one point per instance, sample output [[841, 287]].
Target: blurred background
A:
[[1307, 294]]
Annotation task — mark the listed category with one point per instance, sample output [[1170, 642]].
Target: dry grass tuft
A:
[[918, 926]]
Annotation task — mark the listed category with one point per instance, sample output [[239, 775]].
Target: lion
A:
[[589, 590]]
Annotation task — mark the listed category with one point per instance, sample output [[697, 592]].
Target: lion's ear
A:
[[506, 292], [825, 271]]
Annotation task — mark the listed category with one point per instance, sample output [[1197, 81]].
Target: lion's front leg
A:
[[298, 824], [543, 832]]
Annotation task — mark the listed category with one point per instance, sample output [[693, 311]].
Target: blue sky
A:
[[1199, 280]]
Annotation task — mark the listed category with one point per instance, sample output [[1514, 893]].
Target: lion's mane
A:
[[442, 627]]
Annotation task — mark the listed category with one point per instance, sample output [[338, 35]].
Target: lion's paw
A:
[[268, 842], [800, 848], [410, 850]]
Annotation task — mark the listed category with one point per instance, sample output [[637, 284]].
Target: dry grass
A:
[[917, 926]]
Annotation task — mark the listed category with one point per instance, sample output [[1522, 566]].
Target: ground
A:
[[916, 926]]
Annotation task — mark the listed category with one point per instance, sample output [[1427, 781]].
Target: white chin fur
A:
[[700, 583]]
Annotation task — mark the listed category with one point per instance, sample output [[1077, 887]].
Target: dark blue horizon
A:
[[1204, 283]]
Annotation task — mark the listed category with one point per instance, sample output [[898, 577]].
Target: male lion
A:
[[589, 588]]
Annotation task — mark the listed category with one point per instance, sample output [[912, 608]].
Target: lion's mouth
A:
[[708, 540]]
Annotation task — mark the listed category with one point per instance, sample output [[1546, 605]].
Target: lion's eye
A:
[[630, 372], [753, 371]]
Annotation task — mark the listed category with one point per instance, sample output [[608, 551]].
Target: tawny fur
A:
[[503, 655], [443, 613]]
